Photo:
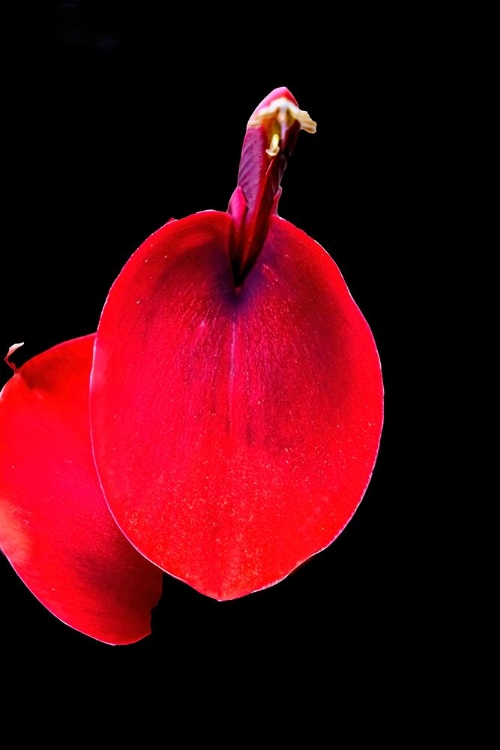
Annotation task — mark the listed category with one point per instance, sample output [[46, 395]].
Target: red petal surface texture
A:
[[55, 526], [234, 431]]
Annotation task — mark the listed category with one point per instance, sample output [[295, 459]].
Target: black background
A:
[[120, 118]]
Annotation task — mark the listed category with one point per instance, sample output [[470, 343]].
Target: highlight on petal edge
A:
[[55, 527]]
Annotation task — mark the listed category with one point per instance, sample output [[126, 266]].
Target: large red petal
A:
[[235, 432], [55, 526]]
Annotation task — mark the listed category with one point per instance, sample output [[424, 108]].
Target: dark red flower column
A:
[[236, 392], [55, 526]]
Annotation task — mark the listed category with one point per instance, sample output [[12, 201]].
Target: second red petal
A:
[[55, 526]]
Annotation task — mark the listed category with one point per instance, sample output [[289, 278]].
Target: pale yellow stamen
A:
[[277, 117], [275, 145]]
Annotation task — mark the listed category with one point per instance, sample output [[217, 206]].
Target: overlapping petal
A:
[[55, 526], [235, 429]]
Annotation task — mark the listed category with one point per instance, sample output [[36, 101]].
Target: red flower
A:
[[236, 407]]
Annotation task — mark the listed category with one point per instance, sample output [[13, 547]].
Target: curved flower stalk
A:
[[232, 421]]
